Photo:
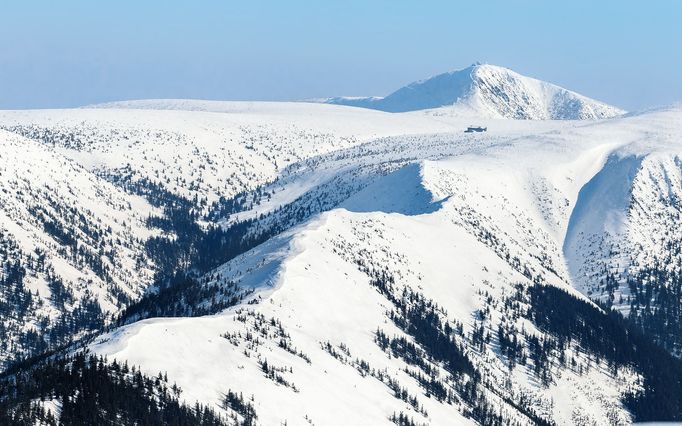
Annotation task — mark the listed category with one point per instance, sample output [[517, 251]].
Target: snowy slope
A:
[[80, 185], [488, 91], [71, 239], [370, 217], [464, 224], [623, 246], [76, 188]]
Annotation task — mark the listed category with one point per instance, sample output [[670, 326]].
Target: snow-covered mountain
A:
[[490, 91], [334, 265], [80, 189]]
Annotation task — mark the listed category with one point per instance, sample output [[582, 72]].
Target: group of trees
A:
[[16, 300], [184, 295], [342, 353], [242, 407], [616, 341], [655, 308], [83, 240], [438, 345], [186, 245], [566, 321], [402, 419], [89, 390], [18, 340]]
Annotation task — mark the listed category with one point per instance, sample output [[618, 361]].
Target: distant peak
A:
[[487, 90]]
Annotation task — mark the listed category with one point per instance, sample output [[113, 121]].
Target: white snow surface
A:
[[463, 219], [423, 221]]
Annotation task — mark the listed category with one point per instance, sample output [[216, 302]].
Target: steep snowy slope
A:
[[488, 91], [84, 191], [74, 218], [71, 247], [623, 245], [334, 332]]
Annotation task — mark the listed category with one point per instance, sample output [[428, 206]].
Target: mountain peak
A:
[[490, 91]]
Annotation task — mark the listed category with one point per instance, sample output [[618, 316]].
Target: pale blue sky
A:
[[71, 53]]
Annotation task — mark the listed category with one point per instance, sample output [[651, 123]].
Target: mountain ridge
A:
[[323, 260]]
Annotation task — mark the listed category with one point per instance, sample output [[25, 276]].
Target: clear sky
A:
[[70, 53]]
